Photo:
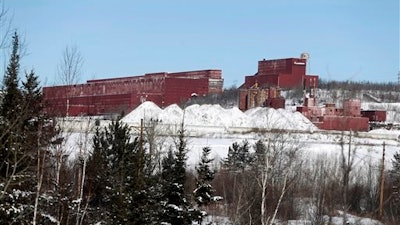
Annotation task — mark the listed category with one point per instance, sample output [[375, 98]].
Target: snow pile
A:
[[279, 119], [215, 115], [173, 114], [147, 110], [202, 116]]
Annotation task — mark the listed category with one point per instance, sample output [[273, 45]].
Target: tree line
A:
[[359, 85], [385, 92]]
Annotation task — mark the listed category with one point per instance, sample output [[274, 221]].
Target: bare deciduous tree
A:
[[5, 25], [275, 163], [347, 165], [69, 70], [70, 67]]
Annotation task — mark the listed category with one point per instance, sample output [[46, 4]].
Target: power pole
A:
[[382, 183]]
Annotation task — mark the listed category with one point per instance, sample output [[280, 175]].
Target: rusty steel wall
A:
[[343, 123], [290, 80], [180, 90], [284, 73], [352, 107], [285, 66], [263, 81], [242, 99], [116, 95], [311, 81], [374, 115]]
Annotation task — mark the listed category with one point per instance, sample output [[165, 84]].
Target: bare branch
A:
[[70, 67], [5, 25]]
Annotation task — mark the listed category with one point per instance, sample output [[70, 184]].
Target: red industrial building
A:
[[287, 73], [283, 73], [331, 118], [263, 90], [116, 95], [374, 115]]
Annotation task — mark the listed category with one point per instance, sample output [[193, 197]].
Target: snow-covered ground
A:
[[217, 128]]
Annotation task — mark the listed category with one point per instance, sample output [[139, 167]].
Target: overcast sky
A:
[[346, 39]]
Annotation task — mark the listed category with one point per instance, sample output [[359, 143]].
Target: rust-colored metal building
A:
[[260, 97], [331, 118], [283, 73], [374, 115], [116, 95], [263, 90], [286, 73]]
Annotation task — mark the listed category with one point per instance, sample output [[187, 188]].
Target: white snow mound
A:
[[147, 110], [214, 116]]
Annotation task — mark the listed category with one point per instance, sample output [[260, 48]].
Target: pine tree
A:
[[97, 182], [120, 185], [120, 158], [33, 118], [395, 173], [177, 208], [32, 95], [16, 184], [204, 192], [238, 156], [11, 102], [24, 135], [9, 109]]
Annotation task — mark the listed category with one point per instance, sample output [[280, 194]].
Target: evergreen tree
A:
[[24, 135], [9, 110], [120, 156], [97, 180], [36, 130], [118, 180], [11, 102], [32, 95], [204, 192], [238, 156], [15, 179], [260, 155], [395, 172], [177, 208]]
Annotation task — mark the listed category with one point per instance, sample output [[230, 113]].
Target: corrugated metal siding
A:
[[123, 94]]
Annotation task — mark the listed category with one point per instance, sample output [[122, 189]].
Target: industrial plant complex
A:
[[263, 89]]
